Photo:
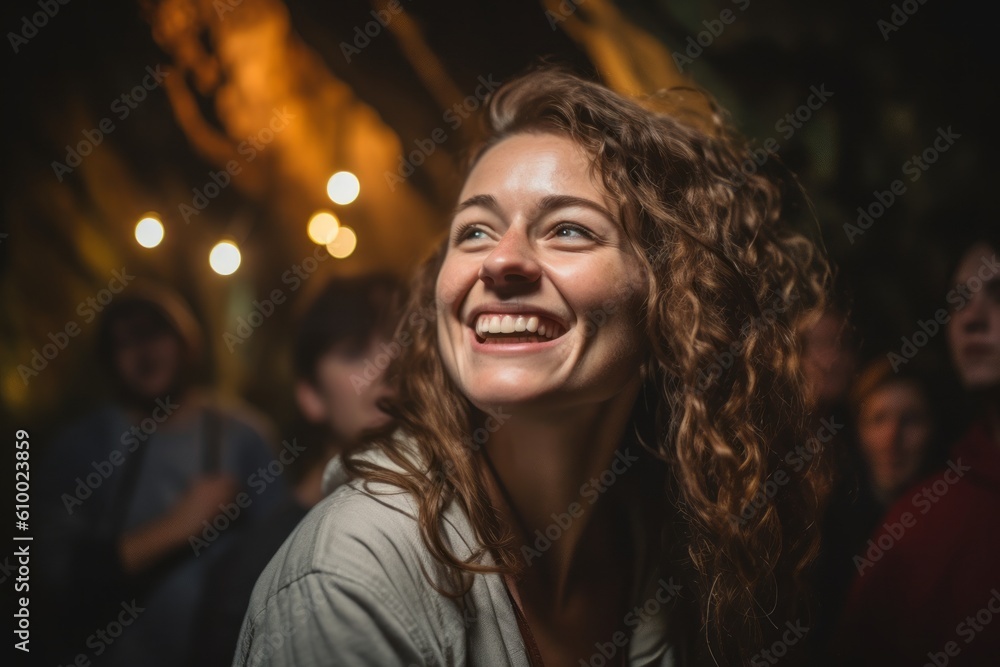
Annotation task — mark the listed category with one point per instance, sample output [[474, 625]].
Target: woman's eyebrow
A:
[[486, 201], [547, 204], [553, 202]]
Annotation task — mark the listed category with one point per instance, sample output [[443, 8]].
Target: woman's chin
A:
[[502, 395]]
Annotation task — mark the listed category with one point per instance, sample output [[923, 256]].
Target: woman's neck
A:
[[555, 476]]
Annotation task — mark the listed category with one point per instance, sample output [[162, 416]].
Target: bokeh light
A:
[[344, 244], [149, 232], [224, 258], [323, 227], [343, 187]]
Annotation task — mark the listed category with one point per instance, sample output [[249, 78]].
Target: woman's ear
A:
[[310, 402]]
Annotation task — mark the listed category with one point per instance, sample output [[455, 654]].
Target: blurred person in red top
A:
[[928, 584]]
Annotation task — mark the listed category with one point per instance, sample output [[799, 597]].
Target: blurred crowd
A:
[[164, 506], [161, 508]]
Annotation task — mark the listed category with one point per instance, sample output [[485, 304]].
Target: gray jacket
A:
[[348, 588]]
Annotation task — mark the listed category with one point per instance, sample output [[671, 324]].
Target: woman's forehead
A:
[[535, 164]]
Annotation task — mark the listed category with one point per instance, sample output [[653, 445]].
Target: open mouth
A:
[[510, 329]]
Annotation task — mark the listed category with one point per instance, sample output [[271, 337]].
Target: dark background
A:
[[229, 69]]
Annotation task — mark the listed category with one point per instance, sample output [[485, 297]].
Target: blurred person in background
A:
[[140, 494], [340, 351], [927, 589], [895, 428], [829, 360], [829, 365]]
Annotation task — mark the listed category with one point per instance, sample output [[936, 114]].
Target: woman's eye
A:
[[568, 230], [469, 232]]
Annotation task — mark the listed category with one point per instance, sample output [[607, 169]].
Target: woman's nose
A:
[[512, 262]]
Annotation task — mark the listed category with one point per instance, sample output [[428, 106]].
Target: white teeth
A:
[[507, 324]]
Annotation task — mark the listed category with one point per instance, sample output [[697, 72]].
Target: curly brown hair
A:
[[729, 279]]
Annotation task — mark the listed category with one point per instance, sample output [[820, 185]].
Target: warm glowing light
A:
[[343, 187], [344, 244], [323, 227], [224, 258], [149, 232]]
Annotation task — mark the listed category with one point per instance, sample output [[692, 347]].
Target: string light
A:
[[149, 231], [344, 244], [343, 187], [322, 228], [224, 258]]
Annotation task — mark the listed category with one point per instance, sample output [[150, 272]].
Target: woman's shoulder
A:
[[367, 532], [355, 570], [358, 531]]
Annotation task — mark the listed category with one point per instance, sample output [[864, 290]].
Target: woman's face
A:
[[539, 290], [974, 327], [894, 430]]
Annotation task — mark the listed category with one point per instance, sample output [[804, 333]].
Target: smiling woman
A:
[[599, 259]]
